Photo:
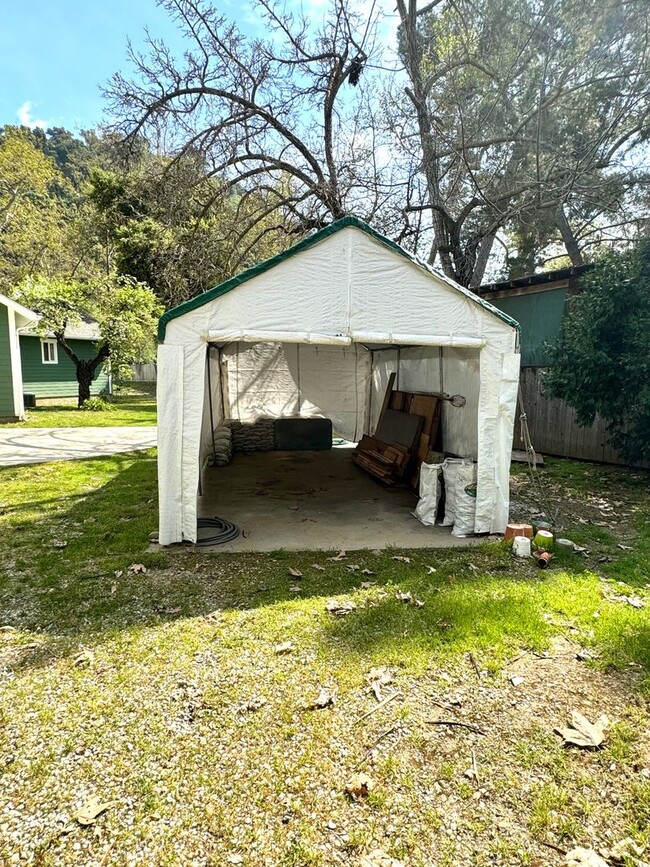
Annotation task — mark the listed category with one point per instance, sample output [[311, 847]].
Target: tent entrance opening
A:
[[312, 500]]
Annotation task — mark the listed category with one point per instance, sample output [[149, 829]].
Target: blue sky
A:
[[55, 55]]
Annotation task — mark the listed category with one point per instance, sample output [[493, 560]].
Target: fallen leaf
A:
[[235, 859], [378, 677], [325, 698], [378, 858], [340, 556], [86, 657], [635, 601], [172, 610], [318, 566], [430, 570], [366, 585], [118, 573], [624, 850], [91, 810], [359, 786], [367, 572], [113, 588], [472, 567], [340, 609], [295, 588], [295, 573], [580, 857], [583, 654], [408, 597], [402, 559], [352, 567], [285, 647], [624, 547], [583, 733], [137, 568]]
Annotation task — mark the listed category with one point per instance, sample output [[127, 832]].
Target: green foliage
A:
[[31, 220], [125, 311], [601, 363], [97, 404]]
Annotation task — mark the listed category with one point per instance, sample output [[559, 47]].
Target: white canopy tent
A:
[[317, 330]]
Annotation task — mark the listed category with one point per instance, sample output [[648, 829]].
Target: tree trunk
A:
[[85, 372], [484, 250], [569, 239]]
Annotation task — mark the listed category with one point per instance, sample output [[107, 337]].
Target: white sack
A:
[[465, 500], [450, 469], [426, 510]]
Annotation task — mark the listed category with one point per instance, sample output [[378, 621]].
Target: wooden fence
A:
[[144, 372], [553, 426]]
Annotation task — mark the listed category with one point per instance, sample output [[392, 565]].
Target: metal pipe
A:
[[214, 447]]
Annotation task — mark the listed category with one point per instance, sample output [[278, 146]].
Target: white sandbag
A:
[[430, 490], [465, 500], [450, 468]]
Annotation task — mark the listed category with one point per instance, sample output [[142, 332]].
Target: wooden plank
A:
[[424, 405], [398, 400], [401, 428]]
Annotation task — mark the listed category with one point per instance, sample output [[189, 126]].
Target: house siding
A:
[[540, 316], [6, 383], [56, 380]]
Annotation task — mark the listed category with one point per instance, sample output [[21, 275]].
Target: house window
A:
[[49, 354]]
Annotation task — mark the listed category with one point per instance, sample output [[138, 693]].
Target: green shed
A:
[[13, 318], [35, 365], [49, 373], [538, 303]]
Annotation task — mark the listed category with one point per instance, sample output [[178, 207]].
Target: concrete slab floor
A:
[[312, 500]]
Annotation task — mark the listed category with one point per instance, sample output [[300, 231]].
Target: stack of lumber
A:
[[406, 431]]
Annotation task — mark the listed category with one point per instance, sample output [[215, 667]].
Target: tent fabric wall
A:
[[280, 380], [345, 288], [180, 394]]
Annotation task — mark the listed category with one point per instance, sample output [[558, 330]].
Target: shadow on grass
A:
[[478, 599]]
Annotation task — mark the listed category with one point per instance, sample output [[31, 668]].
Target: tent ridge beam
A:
[[381, 338]]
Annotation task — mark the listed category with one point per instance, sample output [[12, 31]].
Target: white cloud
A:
[[25, 118]]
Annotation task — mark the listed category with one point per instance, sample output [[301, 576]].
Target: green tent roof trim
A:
[[305, 244]]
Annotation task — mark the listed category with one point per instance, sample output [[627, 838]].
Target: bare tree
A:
[[282, 122]]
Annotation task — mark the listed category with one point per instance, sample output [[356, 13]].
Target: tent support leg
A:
[[207, 360]]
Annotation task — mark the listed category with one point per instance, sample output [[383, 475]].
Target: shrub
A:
[[601, 364]]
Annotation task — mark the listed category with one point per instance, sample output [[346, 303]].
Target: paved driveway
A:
[[40, 444]]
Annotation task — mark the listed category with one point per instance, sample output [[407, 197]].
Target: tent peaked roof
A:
[[305, 244]]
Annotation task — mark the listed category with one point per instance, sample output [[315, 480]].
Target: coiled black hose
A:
[[226, 531]]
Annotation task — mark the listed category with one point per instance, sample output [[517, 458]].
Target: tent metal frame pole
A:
[[207, 360]]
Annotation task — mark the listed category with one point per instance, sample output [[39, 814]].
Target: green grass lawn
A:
[[162, 693], [129, 407]]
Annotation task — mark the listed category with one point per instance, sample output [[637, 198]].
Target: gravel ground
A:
[[200, 739]]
